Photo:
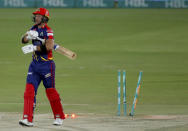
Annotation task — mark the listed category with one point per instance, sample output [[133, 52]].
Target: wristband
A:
[[56, 46]]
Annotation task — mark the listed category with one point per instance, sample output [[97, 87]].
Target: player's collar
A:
[[43, 25]]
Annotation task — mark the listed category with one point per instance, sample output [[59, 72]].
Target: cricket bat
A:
[[66, 52]]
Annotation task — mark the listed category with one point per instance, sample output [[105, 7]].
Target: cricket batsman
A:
[[42, 68]]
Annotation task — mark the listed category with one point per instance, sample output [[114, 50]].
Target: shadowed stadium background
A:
[[105, 40]]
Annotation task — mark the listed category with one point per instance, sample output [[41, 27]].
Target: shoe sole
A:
[[23, 124], [57, 124]]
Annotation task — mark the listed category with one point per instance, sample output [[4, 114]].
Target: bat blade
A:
[[66, 52]]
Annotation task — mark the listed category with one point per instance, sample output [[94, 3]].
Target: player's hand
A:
[[32, 35], [29, 48]]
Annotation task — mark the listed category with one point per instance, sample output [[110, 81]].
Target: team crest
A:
[[41, 34]]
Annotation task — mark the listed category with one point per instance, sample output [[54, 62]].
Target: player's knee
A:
[[52, 94], [29, 91]]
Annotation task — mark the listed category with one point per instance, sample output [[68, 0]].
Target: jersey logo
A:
[[41, 34], [47, 75]]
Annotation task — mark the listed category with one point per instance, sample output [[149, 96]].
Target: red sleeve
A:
[[50, 34]]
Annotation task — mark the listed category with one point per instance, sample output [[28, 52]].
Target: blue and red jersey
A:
[[44, 33]]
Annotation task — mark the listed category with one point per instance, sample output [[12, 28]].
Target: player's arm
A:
[[47, 46], [24, 39]]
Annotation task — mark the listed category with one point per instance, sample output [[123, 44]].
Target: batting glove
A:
[[29, 48], [32, 35]]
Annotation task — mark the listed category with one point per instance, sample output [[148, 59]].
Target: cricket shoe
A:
[[58, 122], [25, 122]]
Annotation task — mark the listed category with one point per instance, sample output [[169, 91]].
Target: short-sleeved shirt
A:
[[45, 33]]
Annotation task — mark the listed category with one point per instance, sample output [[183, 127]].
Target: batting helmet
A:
[[44, 12]]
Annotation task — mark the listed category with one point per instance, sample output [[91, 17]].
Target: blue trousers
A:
[[41, 71]]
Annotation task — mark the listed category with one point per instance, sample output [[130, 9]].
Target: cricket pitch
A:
[[92, 122]]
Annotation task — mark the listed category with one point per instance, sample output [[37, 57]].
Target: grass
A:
[[152, 40]]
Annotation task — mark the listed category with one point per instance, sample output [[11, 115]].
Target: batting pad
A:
[[28, 102], [55, 103]]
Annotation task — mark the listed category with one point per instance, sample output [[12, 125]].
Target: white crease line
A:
[[47, 104]]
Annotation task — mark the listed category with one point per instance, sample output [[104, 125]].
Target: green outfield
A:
[[151, 40]]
